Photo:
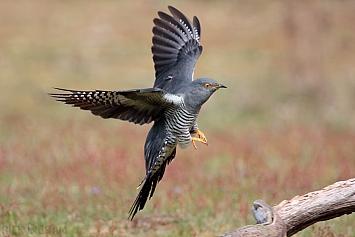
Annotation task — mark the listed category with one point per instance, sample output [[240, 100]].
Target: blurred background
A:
[[285, 125]]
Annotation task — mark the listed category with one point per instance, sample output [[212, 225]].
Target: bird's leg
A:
[[200, 138]]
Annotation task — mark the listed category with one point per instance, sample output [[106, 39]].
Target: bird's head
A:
[[199, 91], [206, 84]]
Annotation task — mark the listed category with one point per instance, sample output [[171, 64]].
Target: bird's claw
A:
[[200, 138]]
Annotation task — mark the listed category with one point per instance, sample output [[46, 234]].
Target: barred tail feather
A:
[[150, 182], [142, 197]]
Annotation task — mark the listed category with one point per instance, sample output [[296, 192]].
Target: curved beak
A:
[[220, 86]]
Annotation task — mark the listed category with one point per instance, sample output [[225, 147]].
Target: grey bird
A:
[[173, 103]]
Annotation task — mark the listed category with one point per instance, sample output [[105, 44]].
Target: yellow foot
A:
[[200, 138]]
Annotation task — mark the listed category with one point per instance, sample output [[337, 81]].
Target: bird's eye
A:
[[207, 85]]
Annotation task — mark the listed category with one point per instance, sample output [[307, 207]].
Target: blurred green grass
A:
[[268, 139]]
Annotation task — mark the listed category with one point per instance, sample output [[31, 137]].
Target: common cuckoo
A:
[[173, 103]]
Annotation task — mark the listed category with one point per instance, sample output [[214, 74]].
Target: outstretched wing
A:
[[139, 106], [175, 49], [158, 153]]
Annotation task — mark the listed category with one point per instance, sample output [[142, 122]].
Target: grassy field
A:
[[64, 172]]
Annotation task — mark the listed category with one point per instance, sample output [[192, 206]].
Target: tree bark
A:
[[302, 211]]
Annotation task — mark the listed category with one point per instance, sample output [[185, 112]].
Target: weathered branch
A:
[[301, 211], [332, 201]]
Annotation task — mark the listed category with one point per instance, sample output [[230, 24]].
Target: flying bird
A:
[[173, 103]]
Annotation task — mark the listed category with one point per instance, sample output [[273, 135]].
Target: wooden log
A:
[[268, 223], [294, 215]]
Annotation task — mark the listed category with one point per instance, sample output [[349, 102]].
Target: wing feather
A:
[[163, 49], [186, 24], [139, 106], [175, 49], [165, 29], [176, 22]]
